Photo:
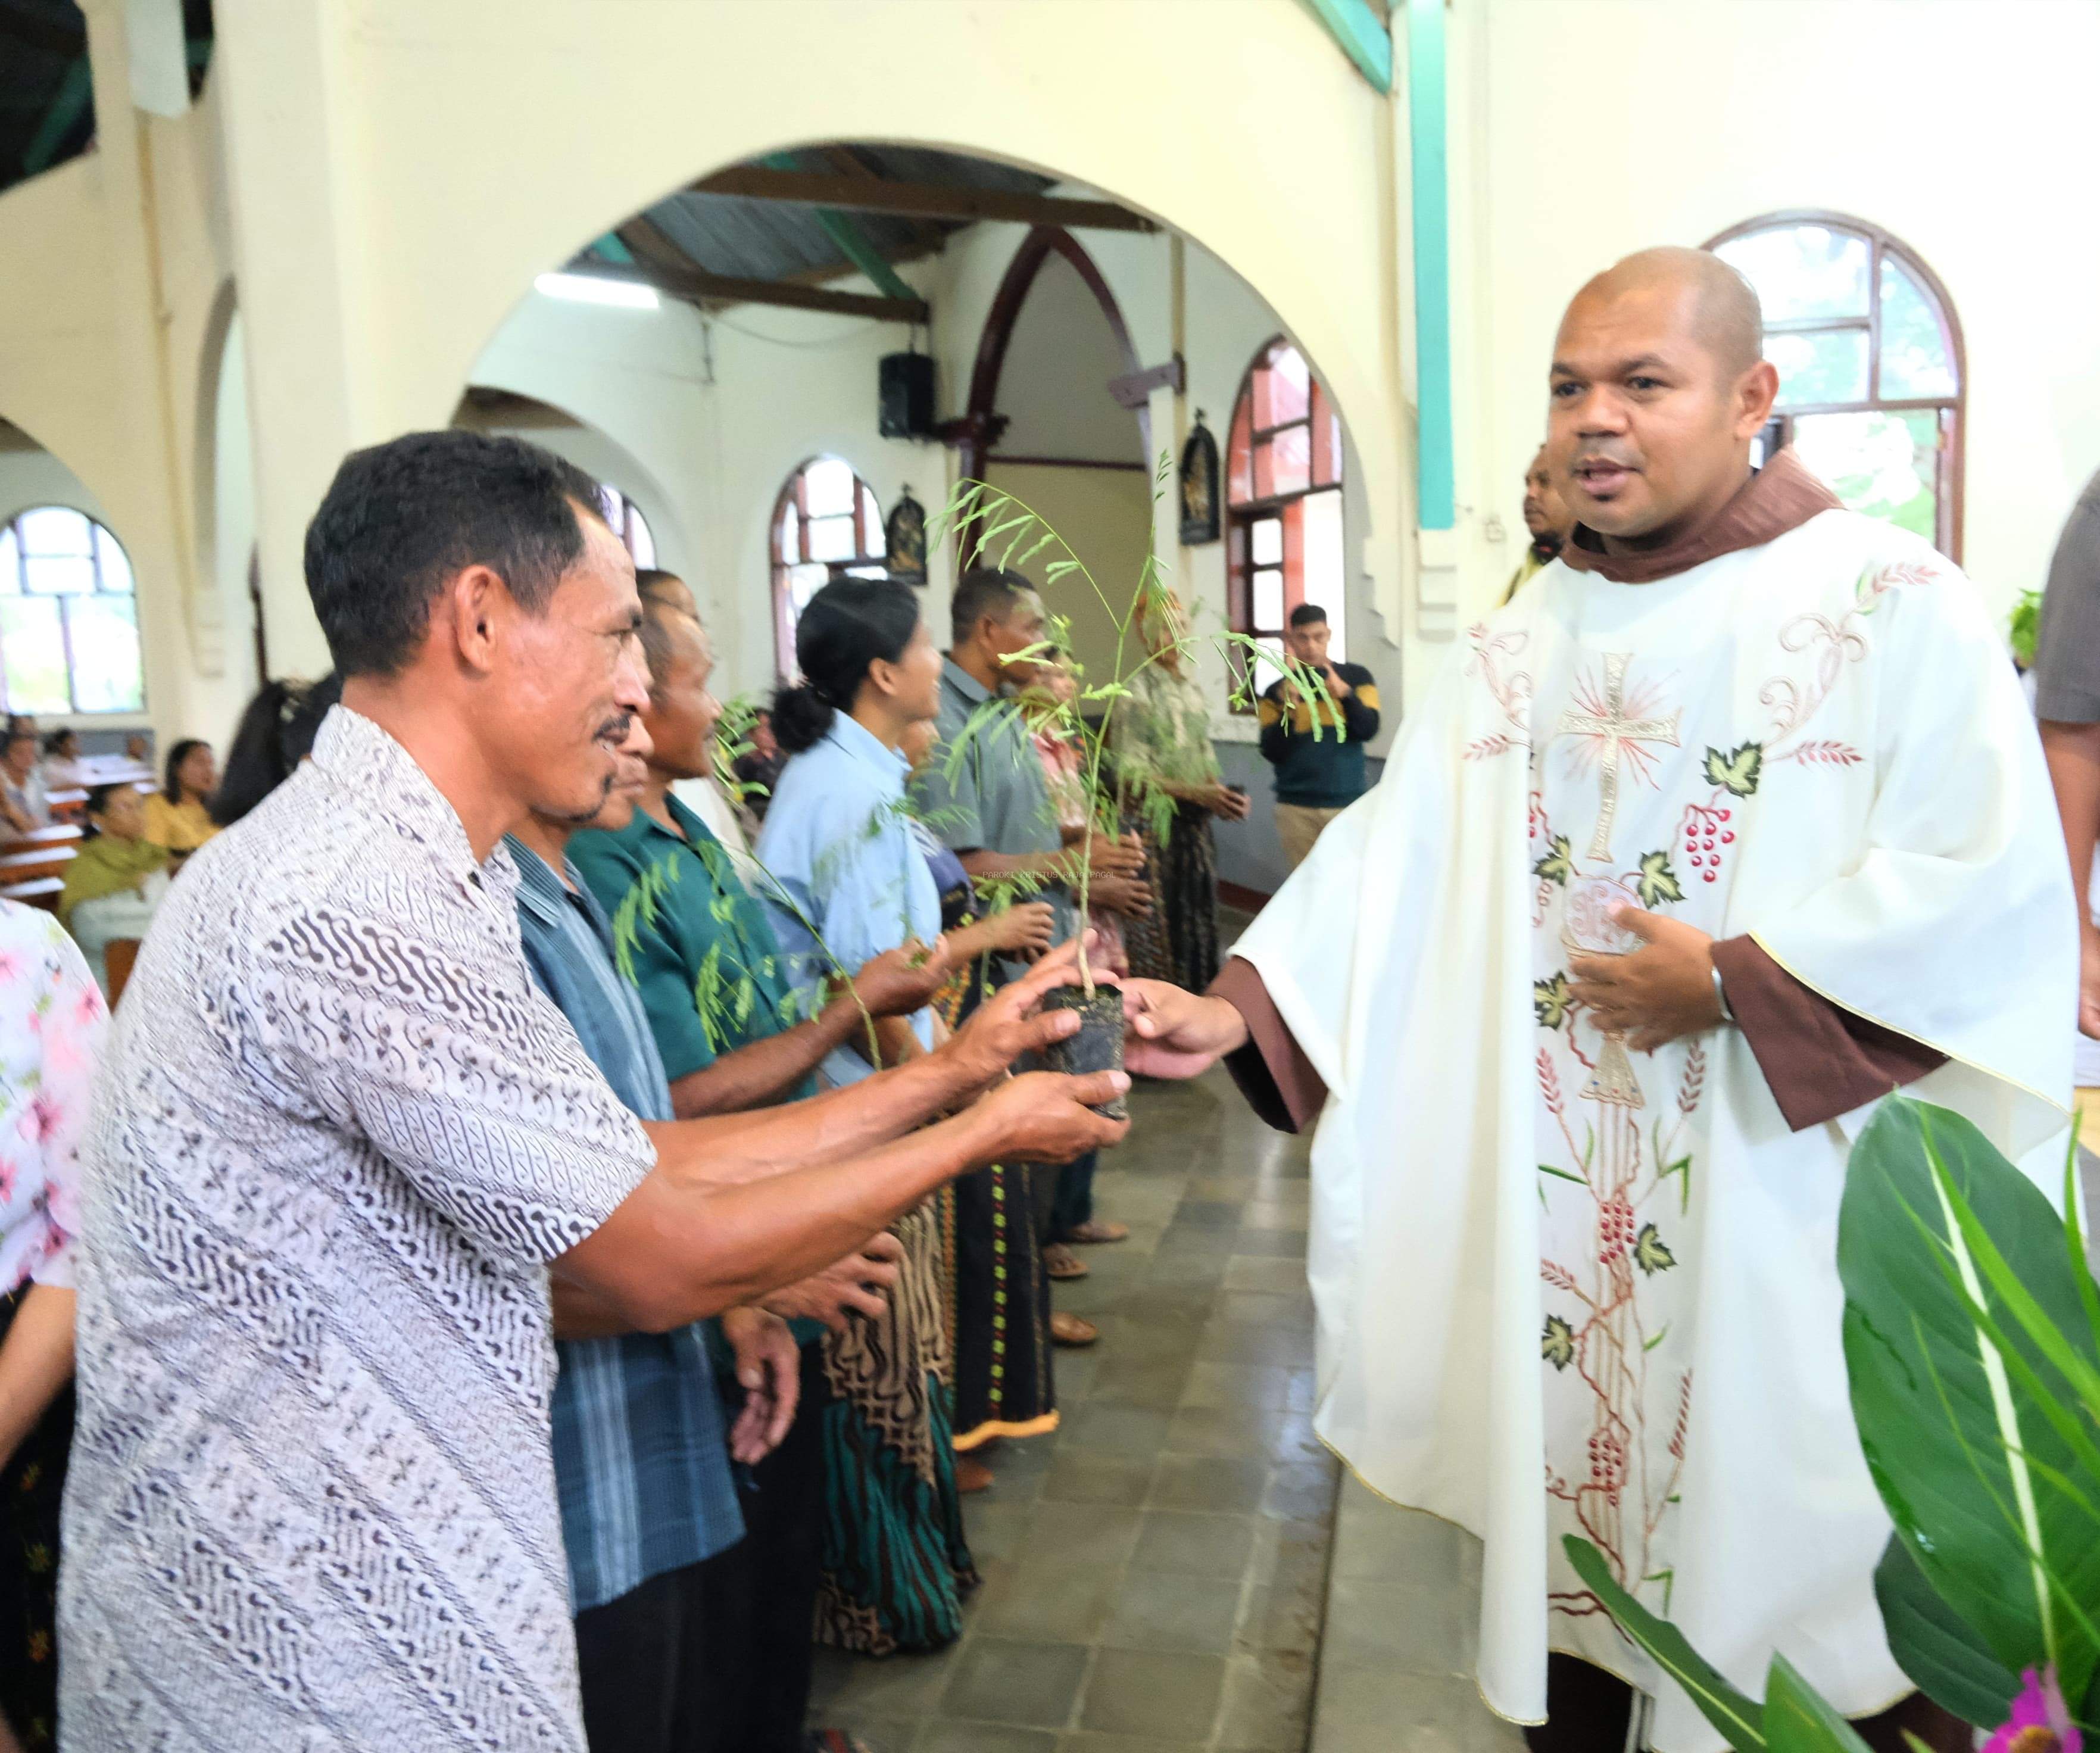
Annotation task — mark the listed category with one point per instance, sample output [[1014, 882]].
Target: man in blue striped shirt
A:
[[641, 1443]]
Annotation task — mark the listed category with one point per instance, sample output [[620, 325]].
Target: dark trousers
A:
[[1589, 1711], [716, 1657], [1074, 1204], [761, 1594]]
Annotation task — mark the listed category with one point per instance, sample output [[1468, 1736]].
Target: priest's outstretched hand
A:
[[1174, 1032], [1655, 993]]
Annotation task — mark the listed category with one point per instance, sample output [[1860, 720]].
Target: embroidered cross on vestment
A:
[[1617, 735]]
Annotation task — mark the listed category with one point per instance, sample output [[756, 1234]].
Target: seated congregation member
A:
[[993, 808], [62, 769], [179, 815], [1003, 1325], [275, 733], [849, 882], [708, 975], [343, 1140], [116, 880], [52, 1023], [25, 802]]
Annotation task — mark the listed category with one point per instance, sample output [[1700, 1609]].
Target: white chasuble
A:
[[1566, 1288]]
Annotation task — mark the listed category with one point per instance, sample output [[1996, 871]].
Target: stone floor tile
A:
[[1288, 1309], [1167, 1696], [1409, 1629], [1085, 1742], [1081, 1475], [884, 1735], [1212, 1482], [1264, 1387], [1274, 1214], [1165, 1612], [1381, 1543], [1300, 1490], [983, 1737], [1268, 1704], [1276, 1244], [1028, 1686], [1125, 1380], [1075, 1372], [1362, 1710], [1044, 1599], [1207, 1214], [1151, 1339], [1186, 1543], [1233, 1431], [1072, 1533], [995, 1529], [1280, 1619], [1117, 1429], [895, 1687], [1265, 1273]]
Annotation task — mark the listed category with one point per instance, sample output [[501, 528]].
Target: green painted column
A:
[[1436, 483]]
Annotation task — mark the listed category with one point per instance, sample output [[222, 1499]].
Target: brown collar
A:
[[1781, 496]]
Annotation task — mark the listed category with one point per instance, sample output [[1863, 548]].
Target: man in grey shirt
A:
[[342, 1139], [2067, 701]]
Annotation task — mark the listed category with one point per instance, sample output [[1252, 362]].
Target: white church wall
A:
[[1613, 125]]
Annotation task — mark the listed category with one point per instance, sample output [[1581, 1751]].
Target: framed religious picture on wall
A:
[[904, 540], [1199, 487]]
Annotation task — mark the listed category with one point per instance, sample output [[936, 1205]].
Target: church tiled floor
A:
[[1154, 1574]]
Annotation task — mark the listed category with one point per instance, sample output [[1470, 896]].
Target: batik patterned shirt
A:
[[339, 1136]]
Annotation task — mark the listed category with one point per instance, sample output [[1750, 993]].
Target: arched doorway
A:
[[1044, 425]]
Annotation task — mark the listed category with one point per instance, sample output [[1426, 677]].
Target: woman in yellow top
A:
[[178, 816]]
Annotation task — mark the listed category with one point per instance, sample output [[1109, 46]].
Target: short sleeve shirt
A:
[[994, 795], [2067, 650], [339, 1134]]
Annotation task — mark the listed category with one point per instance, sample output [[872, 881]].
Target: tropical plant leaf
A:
[[1799, 1720], [1737, 771], [1650, 1255], [1557, 1343], [1932, 1646], [1740, 1719], [1968, 1428], [1657, 882], [1550, 1000], [1558, 865]]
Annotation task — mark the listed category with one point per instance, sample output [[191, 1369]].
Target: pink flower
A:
[[2039, 1723]]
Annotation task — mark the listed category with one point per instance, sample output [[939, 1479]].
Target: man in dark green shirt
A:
[[701, 953], [1319, 768]]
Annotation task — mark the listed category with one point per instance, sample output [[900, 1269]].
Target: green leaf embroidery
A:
[[1682, 1167], [1558, 865], [1650, 1255], [1547, 1169], [1550, 999], [1658, 881], [1558, 1345], [1737, 771]]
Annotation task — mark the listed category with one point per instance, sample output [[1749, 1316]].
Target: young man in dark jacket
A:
[[1317, 776]]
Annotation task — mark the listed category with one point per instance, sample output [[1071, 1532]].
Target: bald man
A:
[[1547, 520], [1733, 821]]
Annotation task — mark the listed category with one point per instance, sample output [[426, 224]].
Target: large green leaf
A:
[[1974, 1438], [1740, 1719], [1932, 1644], [1797, 1718]]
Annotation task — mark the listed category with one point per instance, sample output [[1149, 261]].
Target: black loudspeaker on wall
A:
[[906, 403]]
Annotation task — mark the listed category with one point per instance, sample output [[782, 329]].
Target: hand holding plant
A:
[[1011, 1022], [902, 981], [1024, 929], [1046, 1117]]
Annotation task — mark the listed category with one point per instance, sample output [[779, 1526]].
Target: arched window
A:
[[826, 525], [1869, 359], [624, 517], [68, 616], [1283, 503]]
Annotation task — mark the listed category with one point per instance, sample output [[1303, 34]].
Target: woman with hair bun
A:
[[849, 881]]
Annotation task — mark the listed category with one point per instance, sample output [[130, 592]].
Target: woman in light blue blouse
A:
[[849, 881]]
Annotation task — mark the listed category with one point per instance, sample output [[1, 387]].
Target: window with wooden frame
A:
[[826, 525], [1283, 507], [68, 616], [624, 518], [1871, 384]]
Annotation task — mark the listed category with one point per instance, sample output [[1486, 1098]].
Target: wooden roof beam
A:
[[697, 286], [920, 201]]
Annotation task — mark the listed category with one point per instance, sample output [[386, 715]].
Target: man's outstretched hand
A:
[[1657, 994], [769, 1368], [1173, 1032], [900, 981], [1046, 1117], [1009, 1022], [857, 1284]]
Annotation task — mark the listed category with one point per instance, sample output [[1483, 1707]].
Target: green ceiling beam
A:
[[853, 243], [1360, 28]]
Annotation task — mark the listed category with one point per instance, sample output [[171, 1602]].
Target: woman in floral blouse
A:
[[52, 1022], [1161, 738]]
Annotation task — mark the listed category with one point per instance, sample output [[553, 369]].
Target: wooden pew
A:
[[57, 834], [37, 862], [69, 806], [117, 957], [43, 891]]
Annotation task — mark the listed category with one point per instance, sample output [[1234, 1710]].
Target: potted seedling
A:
[[1001, 529]]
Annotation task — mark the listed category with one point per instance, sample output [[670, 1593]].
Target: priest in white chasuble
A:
[[1732, 822]]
